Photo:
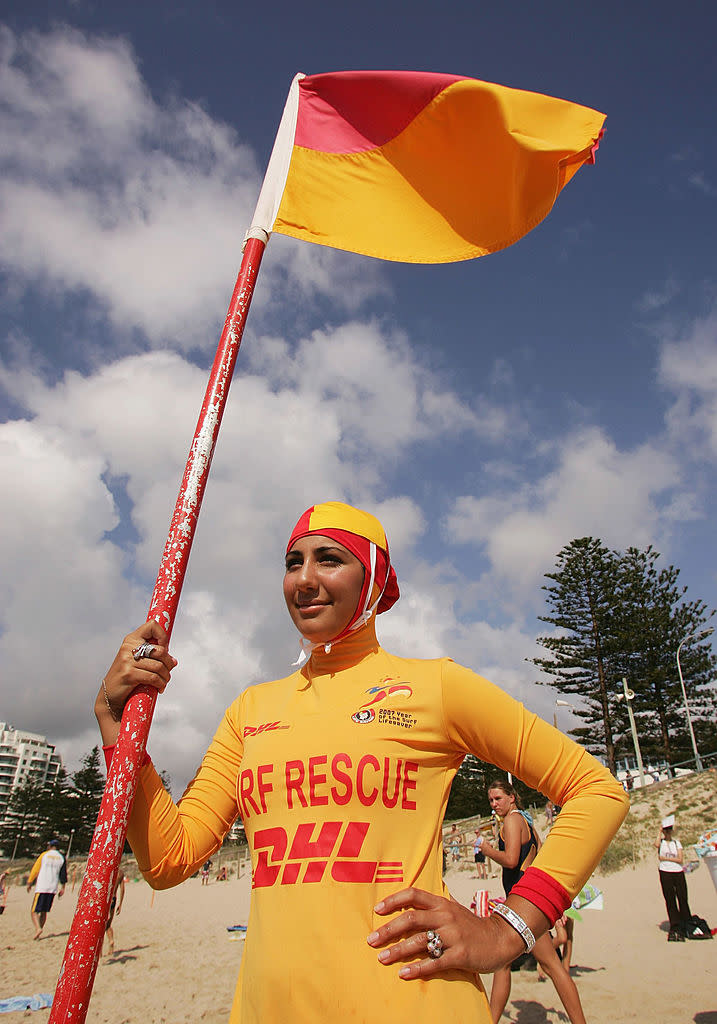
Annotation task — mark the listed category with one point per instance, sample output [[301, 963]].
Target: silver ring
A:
[[145, 650], [434, 944]]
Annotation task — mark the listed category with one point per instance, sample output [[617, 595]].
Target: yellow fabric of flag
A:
[[424, 168]]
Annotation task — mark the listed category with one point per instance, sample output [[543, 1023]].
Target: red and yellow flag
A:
[[419, 167]]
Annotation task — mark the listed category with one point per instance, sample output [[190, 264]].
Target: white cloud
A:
[[307, 429], [688, 368], [139, 205], [595, 489], [61, 583], [401, 402], [699, 181], [656, 298], [426, 624]]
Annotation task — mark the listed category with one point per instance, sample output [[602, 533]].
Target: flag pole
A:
[[84, 946]]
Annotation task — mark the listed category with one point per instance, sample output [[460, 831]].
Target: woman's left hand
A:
[[470, 943], [488, 849]]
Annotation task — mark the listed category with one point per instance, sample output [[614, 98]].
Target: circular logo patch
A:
[[364, 716]]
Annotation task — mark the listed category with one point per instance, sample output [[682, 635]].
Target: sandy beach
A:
[[175, 961]]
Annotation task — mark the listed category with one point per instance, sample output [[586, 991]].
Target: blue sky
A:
[[489, 411]]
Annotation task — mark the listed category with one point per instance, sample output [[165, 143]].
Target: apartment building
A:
[[24, 757]]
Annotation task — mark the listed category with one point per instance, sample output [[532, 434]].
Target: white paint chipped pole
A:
[[84, 946]]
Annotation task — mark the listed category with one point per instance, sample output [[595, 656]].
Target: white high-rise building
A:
[[24, 757]]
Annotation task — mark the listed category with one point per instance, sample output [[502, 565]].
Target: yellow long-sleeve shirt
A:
[[341, 773]]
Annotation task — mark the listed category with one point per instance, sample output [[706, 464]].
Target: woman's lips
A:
[[311, 609]]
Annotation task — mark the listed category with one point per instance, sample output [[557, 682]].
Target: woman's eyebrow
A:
[[317, 552]]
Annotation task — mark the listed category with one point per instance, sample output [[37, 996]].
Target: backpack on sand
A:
[[697, 928]]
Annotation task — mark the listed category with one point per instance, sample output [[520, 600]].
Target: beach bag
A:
[[697, 928]]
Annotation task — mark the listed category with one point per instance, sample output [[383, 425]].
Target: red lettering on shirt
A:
[[341, 777], [315, 870], [318, 782], [290, 874], [314, 855], [264, 787], [294, 784], [268, 840], [353, 838], [246, 785], [303, 847], [366, 798], [317, 779], [391, 801], [408, 783], [353, 870], [256, 730]]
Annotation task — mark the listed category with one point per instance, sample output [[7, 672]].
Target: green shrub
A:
[[618, 855]]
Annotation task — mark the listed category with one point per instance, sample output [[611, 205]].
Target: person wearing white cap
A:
[[672, 880]]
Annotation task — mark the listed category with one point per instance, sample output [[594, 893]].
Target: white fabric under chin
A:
[[309, 646]]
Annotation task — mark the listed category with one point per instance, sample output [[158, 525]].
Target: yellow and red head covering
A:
[[362, 534]]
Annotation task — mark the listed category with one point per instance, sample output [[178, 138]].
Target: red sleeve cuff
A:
[[543, 892], [109, 753]]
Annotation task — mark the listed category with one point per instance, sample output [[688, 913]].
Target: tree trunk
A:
[[609, 745]]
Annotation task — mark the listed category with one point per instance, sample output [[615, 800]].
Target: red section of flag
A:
[[352, 111]]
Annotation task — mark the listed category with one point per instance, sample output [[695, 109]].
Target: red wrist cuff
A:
[[109, 753], [543, 892]]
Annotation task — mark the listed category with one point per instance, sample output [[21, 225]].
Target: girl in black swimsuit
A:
[[528, 849], [516, 850]]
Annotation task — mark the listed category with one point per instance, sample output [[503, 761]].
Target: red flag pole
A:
[[84, 945]]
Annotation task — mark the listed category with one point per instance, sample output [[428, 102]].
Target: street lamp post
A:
[[628, 696], [691, 636], [69, 845], [560, 704]]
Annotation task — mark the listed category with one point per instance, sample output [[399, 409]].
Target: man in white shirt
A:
[[49, 872]]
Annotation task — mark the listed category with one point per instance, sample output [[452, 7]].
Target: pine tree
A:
[[655, 618], [88, 784], [582, 600], [166, 779], [621, 616], [468, 792], [23, 819], [56, 808]]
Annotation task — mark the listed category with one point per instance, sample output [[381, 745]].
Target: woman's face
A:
[[322, 586], [500, 802]]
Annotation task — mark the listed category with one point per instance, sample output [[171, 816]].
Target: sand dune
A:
[[175, 962]]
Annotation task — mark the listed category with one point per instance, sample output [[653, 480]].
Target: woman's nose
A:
[[305, 577]]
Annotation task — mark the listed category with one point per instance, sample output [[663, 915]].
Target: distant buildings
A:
[[24, 757]]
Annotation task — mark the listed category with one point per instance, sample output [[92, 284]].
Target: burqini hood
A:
[[364, 536]]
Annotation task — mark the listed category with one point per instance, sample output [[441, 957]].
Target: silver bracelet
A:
[[516, 921], [109, 706]]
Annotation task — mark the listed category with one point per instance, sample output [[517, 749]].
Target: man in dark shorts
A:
[[49, 872], [481, 870]]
